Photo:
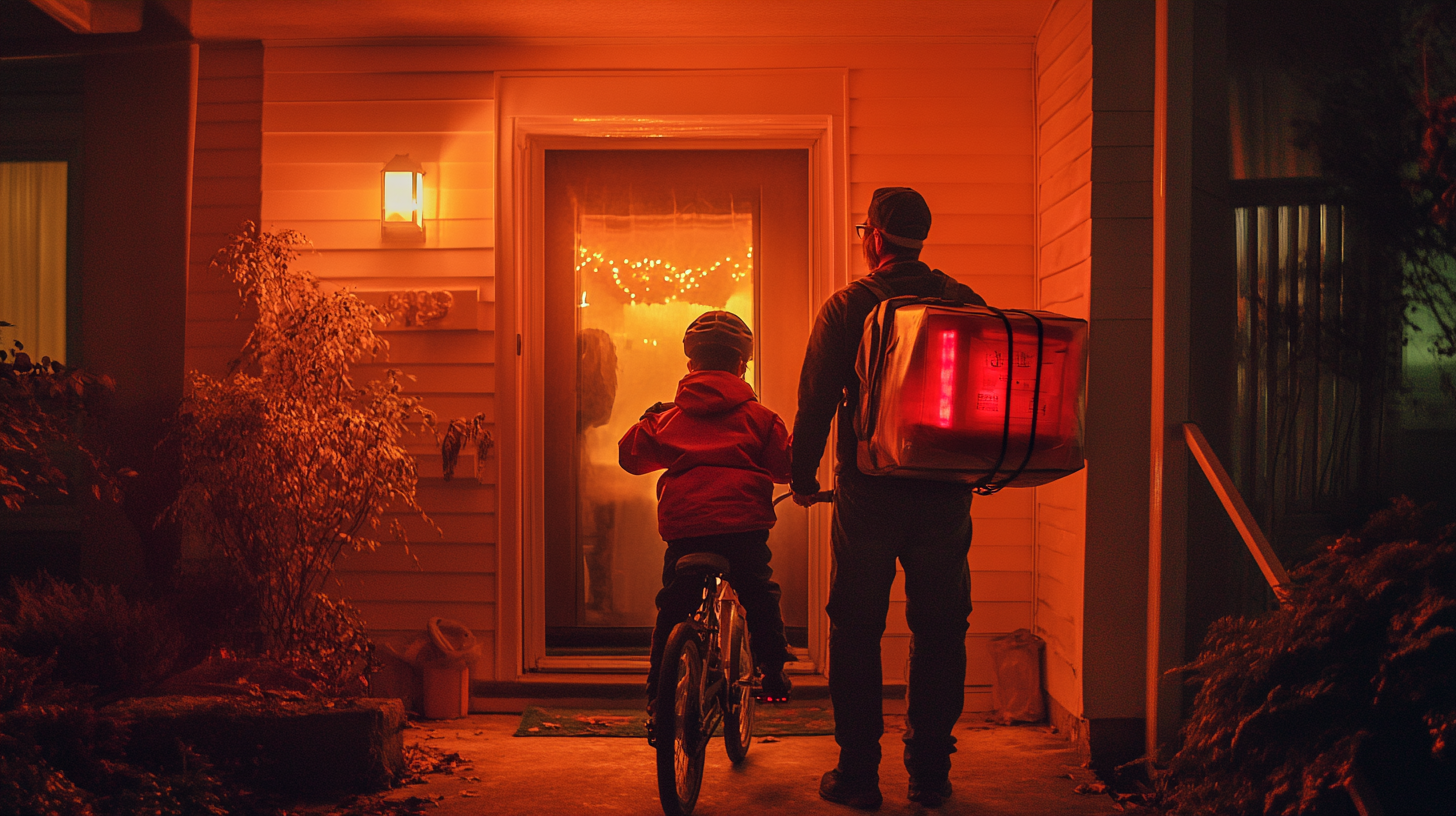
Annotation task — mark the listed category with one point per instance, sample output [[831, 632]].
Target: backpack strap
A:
[[877, 287], [947, 292]]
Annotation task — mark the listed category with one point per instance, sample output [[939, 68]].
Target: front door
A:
[[638, 243]]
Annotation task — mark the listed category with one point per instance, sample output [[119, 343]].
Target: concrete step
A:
[[589, 690]]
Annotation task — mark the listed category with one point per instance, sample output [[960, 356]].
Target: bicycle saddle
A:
[[702, 564]]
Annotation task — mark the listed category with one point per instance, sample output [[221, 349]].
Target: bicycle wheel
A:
[[739, 707], [680, 748]]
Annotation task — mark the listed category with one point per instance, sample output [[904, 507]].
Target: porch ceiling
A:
[[614, 19]]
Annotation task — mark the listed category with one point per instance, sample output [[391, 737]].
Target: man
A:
[[926, 525]]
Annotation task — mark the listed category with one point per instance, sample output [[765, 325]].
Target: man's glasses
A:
[[861, 229]]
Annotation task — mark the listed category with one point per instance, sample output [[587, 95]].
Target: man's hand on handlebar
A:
[[811, 499]]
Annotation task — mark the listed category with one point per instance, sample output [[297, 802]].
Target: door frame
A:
[[523, 137]]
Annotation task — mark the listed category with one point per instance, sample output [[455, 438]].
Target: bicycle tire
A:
[[739, 704], [680, 748]]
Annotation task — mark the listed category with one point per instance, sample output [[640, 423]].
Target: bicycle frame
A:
[[716, 614]]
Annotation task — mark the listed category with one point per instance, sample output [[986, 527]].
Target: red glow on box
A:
[[947, 378]]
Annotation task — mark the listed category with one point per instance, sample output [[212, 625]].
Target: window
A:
[[33, 256]]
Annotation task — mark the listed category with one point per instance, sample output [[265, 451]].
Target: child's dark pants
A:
[[752, 578]]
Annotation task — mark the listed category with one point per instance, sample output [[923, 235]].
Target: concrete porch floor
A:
[[999, 770]]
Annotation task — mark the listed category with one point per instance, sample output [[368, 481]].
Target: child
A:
[[723, 452]]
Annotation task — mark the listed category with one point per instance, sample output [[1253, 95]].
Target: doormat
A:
[[770, 721]]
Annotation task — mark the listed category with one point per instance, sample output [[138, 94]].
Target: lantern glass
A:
[[402, 210], [402, 197]]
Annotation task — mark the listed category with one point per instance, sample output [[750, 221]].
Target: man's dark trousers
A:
[[927, 527]]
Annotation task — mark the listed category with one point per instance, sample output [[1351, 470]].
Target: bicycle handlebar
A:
[[821, 496]]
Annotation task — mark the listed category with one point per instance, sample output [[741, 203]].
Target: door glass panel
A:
[[638, 243], [641, 278]]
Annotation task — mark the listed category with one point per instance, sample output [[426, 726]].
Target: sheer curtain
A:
[[1265, 103], [33, 256]]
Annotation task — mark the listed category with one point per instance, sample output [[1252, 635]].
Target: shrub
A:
[[46, 406], [90, 635], [1355, 673], [72, 761], [25, 680], [286, 463]]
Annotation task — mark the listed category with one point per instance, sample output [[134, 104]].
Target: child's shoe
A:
[[775, 687]]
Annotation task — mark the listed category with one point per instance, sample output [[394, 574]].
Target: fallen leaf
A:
[[768, 739], [469, 793], [1089, 789], [533, 729]]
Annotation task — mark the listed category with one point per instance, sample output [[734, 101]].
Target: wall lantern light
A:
[[402, 187]]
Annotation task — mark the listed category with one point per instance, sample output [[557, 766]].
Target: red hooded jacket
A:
[[723, 452]]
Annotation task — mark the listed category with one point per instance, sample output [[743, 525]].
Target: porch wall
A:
[[1095, 102], [226, 176], [1064, 280], [331, 118], [955, 120]]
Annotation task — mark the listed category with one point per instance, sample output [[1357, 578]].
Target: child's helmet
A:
[[719, 328]]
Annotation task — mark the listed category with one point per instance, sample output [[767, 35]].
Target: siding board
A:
[[985, 139], [377, 116], [336, 175], [903, 83], [939, 168], [377, 147], [340, 87], [414, 616]]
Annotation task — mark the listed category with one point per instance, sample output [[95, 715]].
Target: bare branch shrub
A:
[[286, 463]]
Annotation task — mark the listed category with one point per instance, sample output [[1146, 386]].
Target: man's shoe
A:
[[927, 793], [864, 795], [652, 722], [775, 687]]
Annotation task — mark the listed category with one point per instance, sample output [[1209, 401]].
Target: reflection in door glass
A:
[[641, 277]]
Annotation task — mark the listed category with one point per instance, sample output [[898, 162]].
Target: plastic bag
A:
[[1016, 691], [454, 644]]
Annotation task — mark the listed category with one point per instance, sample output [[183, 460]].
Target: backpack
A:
[[955, 392]]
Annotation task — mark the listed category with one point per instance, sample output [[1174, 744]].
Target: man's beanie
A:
[[901, 215]]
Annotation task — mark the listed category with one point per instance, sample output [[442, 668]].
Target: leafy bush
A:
[[286, 463], [1355, 673], [25, 680], [90, 635], [71, 760], [45, 406]]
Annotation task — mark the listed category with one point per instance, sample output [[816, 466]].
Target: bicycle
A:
[[707, 679]]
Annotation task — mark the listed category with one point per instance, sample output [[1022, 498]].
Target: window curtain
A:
[[1265, 104], [33, 256]]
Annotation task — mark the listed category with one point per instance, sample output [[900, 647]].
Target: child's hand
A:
[[655, 408]]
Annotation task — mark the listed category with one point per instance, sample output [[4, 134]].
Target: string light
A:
[[654, 280]]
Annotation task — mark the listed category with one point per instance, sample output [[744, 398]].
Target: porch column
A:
[[1168, 495]]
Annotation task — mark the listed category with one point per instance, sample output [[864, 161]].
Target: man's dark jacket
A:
[[828, 381]]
